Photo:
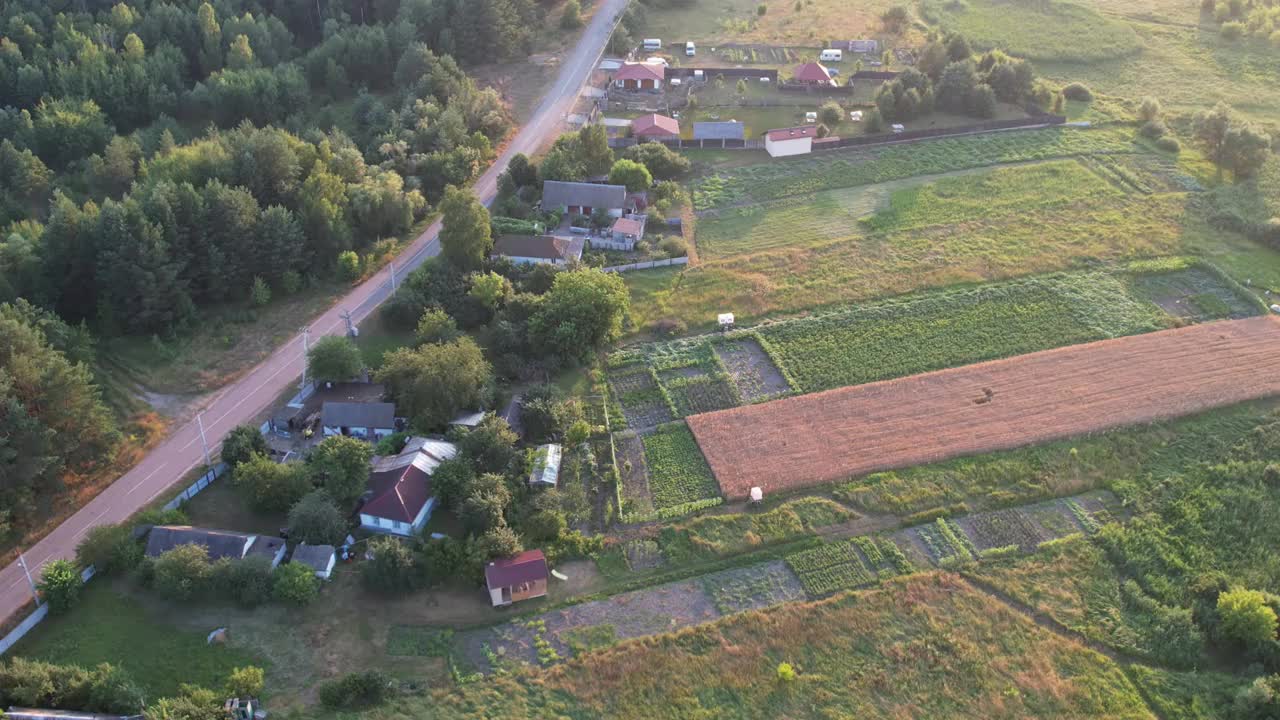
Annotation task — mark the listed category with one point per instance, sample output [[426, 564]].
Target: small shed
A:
[[812, 74], [522, 577], [790, 141], [319, 558], [628, 231], [546, 465], [363, 420], [655, 127]]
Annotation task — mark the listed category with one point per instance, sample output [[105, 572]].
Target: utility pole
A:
[[351, 327], [203, 442], [393, 275], [34, 593], [306, 350]]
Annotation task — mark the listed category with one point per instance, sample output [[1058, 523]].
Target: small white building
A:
[[319, 558], [785, 142], [546, 465]]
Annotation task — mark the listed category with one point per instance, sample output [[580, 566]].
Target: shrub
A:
[[1169, 143], [500, 542], [392, 569], [109, 549], [60, 585], [670, 327], [761, 9], [241, 443], [786, 673], [830, 113], [1077, 91], [1149, 109], [260, 293], [355, 690], [1260, 700], [295, 583], [1232, 30], [245, 582], [246, 682], [348, 266], [1153, 129], [572, 17], [674, 247], [182, 573], [872, 121], [435, 326], [1246, 617]]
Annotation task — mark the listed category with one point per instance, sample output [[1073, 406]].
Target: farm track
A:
[[998, 405]]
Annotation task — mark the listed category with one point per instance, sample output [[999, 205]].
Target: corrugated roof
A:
[[724, 130], [655, 124], [358, 414], [556, 193], [793, 133], [640, 71], [219, 543], [401, 484], [539, 246], [526, 567]]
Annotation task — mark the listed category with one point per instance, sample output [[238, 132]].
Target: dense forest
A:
[[159, 158]]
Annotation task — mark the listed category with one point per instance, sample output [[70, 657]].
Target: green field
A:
[[1053, 30], [107, 627], [678, 473]]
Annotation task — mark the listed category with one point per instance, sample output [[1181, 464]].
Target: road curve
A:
[[242, 400]]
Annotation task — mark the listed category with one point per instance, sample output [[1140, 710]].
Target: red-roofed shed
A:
[[812, 74], [655, 127], [520, 577]]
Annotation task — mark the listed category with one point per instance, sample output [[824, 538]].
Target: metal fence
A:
[[912, 135], [647, 265], [35, 618], [205, 481]]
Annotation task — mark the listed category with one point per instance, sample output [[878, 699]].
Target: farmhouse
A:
[[812, 74], [790, 141], [218, 543], [579, 198], [319, 558], [538, 249], [655, 127], [627, 231], [546, 466], [363, 420], [517, 578], [399, 500], [723, 130], [639, 76]]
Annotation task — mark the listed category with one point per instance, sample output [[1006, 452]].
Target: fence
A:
[[607, 244], [912, 135], [34, 619], [205, 481], [647, 265], [710, 73], [818, 89]]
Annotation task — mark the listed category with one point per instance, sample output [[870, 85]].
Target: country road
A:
[[242, 400]]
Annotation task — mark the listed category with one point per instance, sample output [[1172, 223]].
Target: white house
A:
[[546, 465], [790, 141], [364, 420], [400, 499], [319, 558], [580, 198], [218, 544], [539, 249]]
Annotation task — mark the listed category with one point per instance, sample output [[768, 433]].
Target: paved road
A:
[[241, 401]]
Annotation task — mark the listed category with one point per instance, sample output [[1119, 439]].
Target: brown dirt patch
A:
[[824, 437]]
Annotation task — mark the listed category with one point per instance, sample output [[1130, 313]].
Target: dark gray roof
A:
[[556, 193], [266, 546], [727, 130], [358, 414], [546, 247], [219, 543], [17, 713], [314, 556]]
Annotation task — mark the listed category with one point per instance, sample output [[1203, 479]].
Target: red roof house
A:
[[400, 499], [517, 578], [812, 74], [655, 127], [639, 76]]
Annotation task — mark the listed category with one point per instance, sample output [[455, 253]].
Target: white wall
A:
[[791, 146]]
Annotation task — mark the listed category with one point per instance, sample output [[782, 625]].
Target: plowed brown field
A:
[[828, 436]]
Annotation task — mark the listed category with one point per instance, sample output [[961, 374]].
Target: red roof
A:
[[812, 73], [640, 71], [627, 226], [526, 567], [398, 494], [655, 125], [793, 133]]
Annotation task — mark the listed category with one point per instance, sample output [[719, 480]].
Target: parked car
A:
[[831, 55], [689, 49]]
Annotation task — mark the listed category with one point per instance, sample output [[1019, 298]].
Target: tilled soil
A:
[[999, 405]]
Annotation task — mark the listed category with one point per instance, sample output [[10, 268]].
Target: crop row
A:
[[944, 542], [818, 583], [1005, 527], [823, 556], [678, 472]]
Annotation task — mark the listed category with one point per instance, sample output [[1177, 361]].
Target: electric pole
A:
[[392, 265], [34, 593], [203, 442], [351, 327], [306, 350]]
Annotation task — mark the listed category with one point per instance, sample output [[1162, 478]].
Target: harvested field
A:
[[824, 437]]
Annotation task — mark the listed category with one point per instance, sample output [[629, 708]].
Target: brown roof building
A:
[[812, 74], [534, 249], [655, 126], [521, 577], [400, 500]]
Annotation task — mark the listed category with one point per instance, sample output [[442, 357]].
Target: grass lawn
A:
[[926, 646], [224, 507], [378, 338], [109, 627], [709, 22], [1055, 30]]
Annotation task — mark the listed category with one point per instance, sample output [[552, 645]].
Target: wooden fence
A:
[[647, 265]]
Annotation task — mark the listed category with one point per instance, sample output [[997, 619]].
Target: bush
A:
[[500, 542], [873, 121], [246, 682], [761, 9], [60, 585], [1232, 30], [786, 673], [1149, 109], [435, 326], [830, 114], [674, 247], [572, 17], [670, 327], [1260, 700], [245, 582], [391, 444], [109, 549], [1153, 129], [355, 690], [1169, 143], [1077, 91], [348, 266], [392, 569], [182, 573], [1246, 617], [295, 583], [241, 443], [271, 486]]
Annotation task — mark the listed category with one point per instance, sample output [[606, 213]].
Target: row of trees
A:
[[950, 78]]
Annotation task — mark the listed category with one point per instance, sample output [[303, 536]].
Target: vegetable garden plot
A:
[[1002, 528], [946, 542], [678, 473], [824, 437], [753, 372], [634, 474], [1195, 293], [753, 588], [699, 396], [820, 583]]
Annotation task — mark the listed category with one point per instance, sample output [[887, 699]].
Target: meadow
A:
[[710, 22]]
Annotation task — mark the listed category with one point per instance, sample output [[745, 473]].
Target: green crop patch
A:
[[1051, 30], [678, 473]]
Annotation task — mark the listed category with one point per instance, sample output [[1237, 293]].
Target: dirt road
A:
[[824, 437], [248, 396]]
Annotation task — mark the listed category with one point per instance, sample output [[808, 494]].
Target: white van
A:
[[831, 56], [652, 44], [689, 49]]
